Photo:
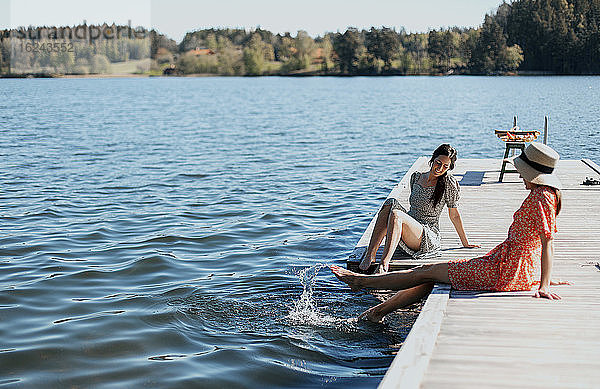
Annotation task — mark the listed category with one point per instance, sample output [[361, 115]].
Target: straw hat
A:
[[536, 164]]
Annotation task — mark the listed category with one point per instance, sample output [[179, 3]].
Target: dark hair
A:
[[440, 186], [558, 198]]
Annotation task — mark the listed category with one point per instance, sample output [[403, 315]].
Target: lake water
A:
[[172, 232]]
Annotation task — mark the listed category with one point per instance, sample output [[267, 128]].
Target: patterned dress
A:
[[423, 211], [511, 264]]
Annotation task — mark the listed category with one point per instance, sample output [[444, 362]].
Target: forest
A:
[[520, 37]]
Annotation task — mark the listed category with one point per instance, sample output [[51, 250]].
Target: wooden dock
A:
[[509, 339]]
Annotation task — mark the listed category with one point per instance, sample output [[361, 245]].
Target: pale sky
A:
[[176, 17]]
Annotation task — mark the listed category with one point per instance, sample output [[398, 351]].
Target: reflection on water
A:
[[174, 232]]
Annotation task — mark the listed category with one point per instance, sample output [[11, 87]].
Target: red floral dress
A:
[[511, 264]]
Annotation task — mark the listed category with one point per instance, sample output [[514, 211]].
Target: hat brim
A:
[[532, 175]]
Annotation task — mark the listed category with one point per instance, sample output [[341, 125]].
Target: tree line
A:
[[70, 50], [553, 36]]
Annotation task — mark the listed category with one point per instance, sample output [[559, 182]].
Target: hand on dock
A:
[[471, 246]]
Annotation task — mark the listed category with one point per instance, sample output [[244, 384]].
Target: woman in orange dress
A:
[[509, 266]]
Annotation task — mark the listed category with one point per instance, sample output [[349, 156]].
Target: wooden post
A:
[[545, 130]]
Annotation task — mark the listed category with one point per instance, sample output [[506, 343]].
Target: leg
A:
[[396, 280], [504, 163], [379, 231], [400, 226], [401, 299]]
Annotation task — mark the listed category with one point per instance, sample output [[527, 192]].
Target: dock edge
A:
[[408, 367]]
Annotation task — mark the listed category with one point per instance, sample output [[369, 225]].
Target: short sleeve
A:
[[452, 194], [413, 178], [544, 213]]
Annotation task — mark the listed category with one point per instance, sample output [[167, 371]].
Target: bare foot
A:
[[348, 277], [365, 263], [381, 269], [371, 315]]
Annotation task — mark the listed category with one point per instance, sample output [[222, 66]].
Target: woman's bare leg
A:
[[400, 226], [401, 299], [392, 238], [379, 231], [397, 280]]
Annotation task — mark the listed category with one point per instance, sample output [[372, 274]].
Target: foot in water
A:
[[348, 277], [372, 314]]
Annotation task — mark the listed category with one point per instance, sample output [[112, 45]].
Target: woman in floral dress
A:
[[508, 267]]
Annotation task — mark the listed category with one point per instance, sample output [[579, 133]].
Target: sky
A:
[[176, 17]]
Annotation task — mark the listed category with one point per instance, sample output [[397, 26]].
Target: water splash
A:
[[305, 310]]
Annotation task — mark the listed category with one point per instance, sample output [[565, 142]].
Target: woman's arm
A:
[[546, 274], [458, 226]]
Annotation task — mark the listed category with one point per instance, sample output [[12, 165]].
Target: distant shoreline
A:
[[74, 76], [305, 74]]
